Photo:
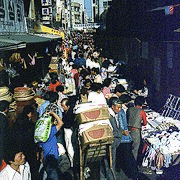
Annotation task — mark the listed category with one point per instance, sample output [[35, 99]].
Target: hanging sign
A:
[[12, 16]]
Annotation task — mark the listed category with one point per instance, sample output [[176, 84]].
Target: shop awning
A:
[[38, 28], [28, 38], [7, 44]]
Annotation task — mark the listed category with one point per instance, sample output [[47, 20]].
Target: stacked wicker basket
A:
[[23, 94], [5, 94]]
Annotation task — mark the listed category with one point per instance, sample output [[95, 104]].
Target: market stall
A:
[[162, 136]]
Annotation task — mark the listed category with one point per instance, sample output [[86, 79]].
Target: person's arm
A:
[[143, 117], [124, 123], [59, 120]]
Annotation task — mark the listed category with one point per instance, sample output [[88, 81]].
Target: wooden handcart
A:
[[95, 144]]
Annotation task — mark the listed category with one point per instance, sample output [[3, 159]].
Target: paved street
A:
[[171, 173]]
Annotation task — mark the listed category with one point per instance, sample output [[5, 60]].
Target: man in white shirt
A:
[[96, 95], [17, 168]]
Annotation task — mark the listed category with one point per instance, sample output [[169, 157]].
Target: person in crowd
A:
[[96, 95], [142, 90], [17, 167], [53, 106], [22, 134], [127, 102], [119, 90], [74, 70], [107, 87], [42, 103], [115, 106], [124, 156], [54, 163], [4, 131], [89, 64], [85, 90], [54, 82], [95, 63], [69, 126], [60, 91], [80, 61], [70, 88], [136, 117], [97, 76]]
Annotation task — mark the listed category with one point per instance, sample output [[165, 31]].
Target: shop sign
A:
[[12, 16], [46, 2]]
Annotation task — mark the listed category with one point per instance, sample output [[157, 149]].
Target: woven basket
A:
[[24, 98], [4, 91], [8, 97], [23, 94]]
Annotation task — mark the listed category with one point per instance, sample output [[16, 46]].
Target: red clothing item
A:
[[3, 165], [52, 87], [143, 117], [73, 71]]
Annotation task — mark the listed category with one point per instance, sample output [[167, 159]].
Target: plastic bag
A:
[[42, 128]]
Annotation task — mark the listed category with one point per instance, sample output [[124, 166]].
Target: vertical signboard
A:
[[12, 16], [46, 11]]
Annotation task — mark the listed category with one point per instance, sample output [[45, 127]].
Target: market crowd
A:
[[84, 74]]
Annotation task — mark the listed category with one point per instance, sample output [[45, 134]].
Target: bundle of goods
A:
[[167, 141], [172, 107], [89, 112], [23, 94], [5, 94], [94, 125]]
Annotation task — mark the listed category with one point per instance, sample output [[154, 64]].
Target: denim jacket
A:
[[123, 123]]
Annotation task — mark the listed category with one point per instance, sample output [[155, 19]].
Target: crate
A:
[[93, 115], [97, 134]]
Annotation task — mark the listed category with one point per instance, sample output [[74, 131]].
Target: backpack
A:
[[42, 128]]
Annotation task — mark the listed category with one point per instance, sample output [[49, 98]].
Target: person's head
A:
[[46, 96], [107, 82], [95, 71], [4, 106], [65, 104], [60, 88], [14, 155], [28, 111], [125, 98], [87, 83], [96, 87], [119, 90], [139, 101], [53, 97], [115, 104]]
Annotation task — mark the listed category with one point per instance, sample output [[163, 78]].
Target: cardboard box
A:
[[98, 134], [93, 115]]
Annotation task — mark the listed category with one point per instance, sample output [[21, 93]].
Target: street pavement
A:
[[145, 173]]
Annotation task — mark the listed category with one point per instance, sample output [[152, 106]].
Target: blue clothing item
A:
[[50, 146], [42, 108], [79, 62], [123, 123]]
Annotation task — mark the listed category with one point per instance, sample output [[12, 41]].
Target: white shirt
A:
[[89, 63], [98, 79], [8, 173], [97, 98]]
